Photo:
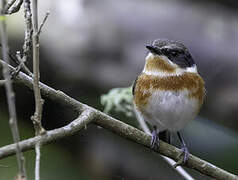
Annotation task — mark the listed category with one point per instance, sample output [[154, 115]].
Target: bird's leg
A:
[[169, 138], [155, 138], [185, 151]]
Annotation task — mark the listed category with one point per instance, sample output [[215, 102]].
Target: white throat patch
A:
[[178, 70]]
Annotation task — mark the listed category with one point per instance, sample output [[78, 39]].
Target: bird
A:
[[169, 92]]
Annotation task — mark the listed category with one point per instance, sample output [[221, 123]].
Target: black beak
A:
[[154, 49]]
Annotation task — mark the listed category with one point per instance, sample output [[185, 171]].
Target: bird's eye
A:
[[169, 52], [165, 51], [174, 53]]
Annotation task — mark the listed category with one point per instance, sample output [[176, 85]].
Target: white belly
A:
[[170, 110]]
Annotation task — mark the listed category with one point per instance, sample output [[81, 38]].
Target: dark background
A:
[[89, 47]]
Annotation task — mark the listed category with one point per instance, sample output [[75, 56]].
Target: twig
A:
[[20, 62], [37, 163], [51, 136], [10, 8], [11, 96], [39, 130], [28, 30], [43, 22], [9, 4], [109, 123], [27, 42], [21, 65], [36, 71]]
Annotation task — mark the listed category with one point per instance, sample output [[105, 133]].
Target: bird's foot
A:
[[154, 139], [183, 157]]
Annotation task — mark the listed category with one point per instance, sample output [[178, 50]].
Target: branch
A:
[[43, 23], [51, 136], [11, 96], [39, 130], [28, 30], [21, 64], [37, 163], [111, 124], [10, 8], [9, 4], [36, 71]]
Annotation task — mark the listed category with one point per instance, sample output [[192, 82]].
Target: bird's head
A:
[[167, 57]]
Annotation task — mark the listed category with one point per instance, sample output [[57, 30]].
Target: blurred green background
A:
[[89, 47]]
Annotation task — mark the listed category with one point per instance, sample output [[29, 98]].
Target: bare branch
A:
[[13, 6], [37, 163], [36, 71], [164, 149], [9, 4], [109, 123], [43, 22], [21, 65], [11, 96], [28, 30], [85, 118], [39, 130], [27, 41]]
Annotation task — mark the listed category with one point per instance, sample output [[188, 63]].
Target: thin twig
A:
[[8, 5], [27, 41], [28, 30], [109, 123], [36, 71], [43, 22], [39, 130], [11, 8], [37, 163], [21, 65], [11, 96], [51, 136], [20, 62]]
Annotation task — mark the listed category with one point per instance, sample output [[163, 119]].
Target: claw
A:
[[154, 139], [13, 74], [184, 153]]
